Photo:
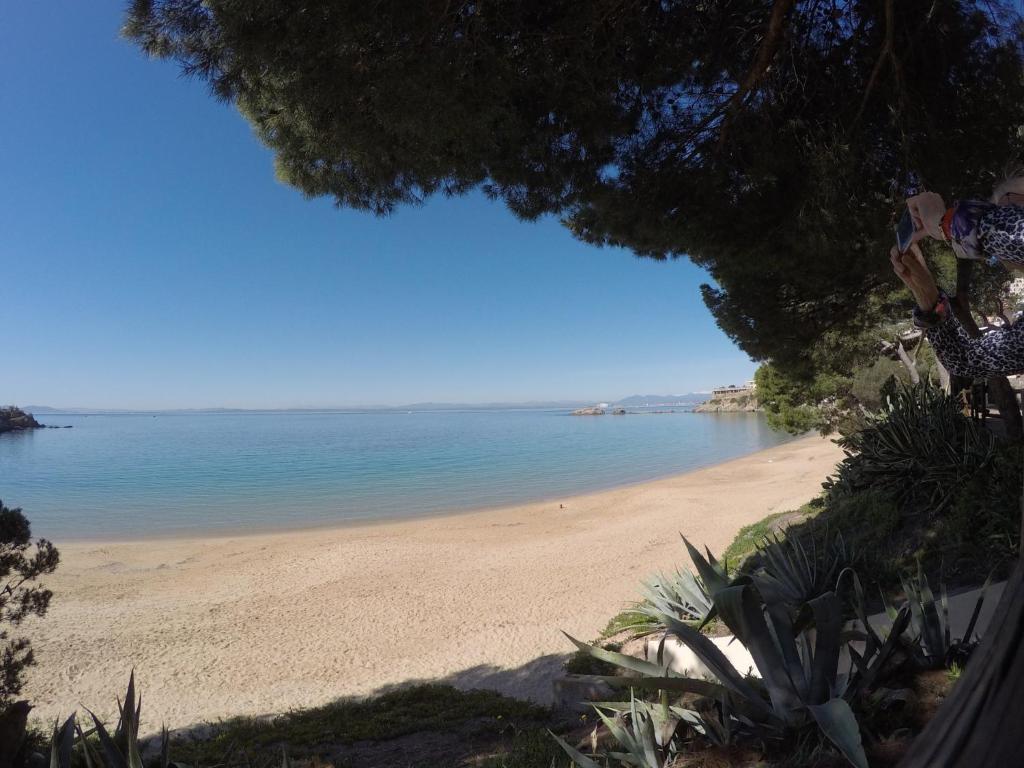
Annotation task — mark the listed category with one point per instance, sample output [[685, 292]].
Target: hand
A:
[[927, 210], [911, 268]]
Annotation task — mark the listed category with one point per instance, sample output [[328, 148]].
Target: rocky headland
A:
[[743, 400], [13, 419]]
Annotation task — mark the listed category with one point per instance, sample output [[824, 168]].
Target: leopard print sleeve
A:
[[998, 353], [1001, 233], [980, 230]]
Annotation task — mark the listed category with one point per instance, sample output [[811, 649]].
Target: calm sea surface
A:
[[144, 475]]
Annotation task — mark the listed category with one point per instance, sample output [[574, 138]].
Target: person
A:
[[987, 231]]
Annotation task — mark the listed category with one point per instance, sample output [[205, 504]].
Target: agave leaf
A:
[[836, 720], [114, 758], [715, 661], [741, 611], [89, 757], [647, 737], [945, 615], [619, 659], [873, 642], [977, 609], [581, 760], [781, 628], [828, 623], [714, 578], [705, 688], [62, 743], [931, 623], [623, 736]]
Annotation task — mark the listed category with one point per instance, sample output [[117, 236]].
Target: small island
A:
[[14, 419]]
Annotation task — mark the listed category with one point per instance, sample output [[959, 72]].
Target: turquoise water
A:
[[142, 475]]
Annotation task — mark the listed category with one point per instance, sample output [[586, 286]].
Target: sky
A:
[[150, 259]]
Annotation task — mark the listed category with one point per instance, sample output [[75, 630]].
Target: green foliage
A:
[[920, 447], [630, 620], [929, 632], [982, 525], [868, 382], [421, 708], [791, 621], [22, 562], [793, 404], [682, 594], [773, 159], [315, 732], [799, 572], [749, 536]]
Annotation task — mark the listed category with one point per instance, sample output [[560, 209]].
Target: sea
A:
[[144, 475]]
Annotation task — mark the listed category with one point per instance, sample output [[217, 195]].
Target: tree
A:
[[771, 142], [21, 564]]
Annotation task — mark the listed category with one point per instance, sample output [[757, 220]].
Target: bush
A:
[[981, 530], [920, 447]]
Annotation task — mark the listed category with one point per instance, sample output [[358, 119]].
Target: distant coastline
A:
[[687, 400]]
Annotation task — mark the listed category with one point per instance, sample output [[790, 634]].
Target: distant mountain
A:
[[640, 401]]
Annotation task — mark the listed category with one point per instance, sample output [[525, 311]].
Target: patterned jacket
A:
[[994, 233]]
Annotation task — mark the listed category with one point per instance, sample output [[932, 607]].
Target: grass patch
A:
[[631, 620], [325, 731], [749, 536]]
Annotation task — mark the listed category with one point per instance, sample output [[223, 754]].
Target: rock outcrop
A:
[[593, 410], [16, 420], [743, 401]]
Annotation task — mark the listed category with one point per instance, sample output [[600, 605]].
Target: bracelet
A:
[[929, 318]]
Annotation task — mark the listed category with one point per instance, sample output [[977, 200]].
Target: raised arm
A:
[[996, 353]]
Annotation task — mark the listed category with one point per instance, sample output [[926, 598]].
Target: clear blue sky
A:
[[151, 260]]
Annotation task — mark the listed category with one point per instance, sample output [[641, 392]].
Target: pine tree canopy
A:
[[771, 142]]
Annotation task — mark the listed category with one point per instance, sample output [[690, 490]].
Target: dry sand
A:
[[262, 623]]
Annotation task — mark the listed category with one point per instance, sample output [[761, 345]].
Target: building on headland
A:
[[731, 398], [732, 390]]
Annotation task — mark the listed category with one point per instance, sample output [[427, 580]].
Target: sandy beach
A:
[[262, 623]]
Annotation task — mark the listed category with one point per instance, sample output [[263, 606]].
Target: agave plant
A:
[[920, 443], [683, 594], [929, 632], [791, 621], [792, 573], [120, 750], [642, 730], [802, 685]]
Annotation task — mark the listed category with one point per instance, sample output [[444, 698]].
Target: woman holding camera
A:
[[988, 231]]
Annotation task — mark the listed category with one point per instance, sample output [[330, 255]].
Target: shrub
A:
[[22, 563], [982, 526], [920, 447]]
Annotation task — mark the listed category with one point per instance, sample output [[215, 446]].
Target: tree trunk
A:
[[915, 378], [999, 386], [943, 377], [979, 723]]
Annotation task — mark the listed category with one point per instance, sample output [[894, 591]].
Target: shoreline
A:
[[263, 622], [357, 522]]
